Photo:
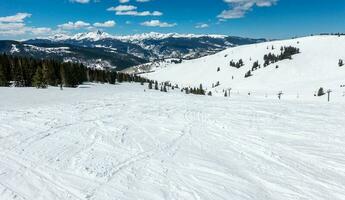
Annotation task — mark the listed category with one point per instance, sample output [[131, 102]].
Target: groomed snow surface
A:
[[316, 66], [105, 142]]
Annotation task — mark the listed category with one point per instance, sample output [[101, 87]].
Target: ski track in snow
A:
[[117, 142]]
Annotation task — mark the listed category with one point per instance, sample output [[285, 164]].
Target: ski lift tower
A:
[[329, 94]]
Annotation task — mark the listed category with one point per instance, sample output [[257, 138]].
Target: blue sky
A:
[[20, 19]]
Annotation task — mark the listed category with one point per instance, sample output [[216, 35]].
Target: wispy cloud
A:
[[19, 17], [157, 23], [122, 8], [74, 25], [131, 10], [238, 8], [80, 1], [106, 24], [202, 26]]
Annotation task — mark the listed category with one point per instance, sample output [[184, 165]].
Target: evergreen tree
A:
[[156, 85], [321, 92], [255, 66], [248, 74], [240, 62], [112, 79], [201, 90], [38, 80], [3, 78]]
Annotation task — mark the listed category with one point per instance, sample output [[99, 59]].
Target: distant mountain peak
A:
[[156, 35], [99, 35]]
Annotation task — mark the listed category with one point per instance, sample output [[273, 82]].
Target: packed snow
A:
[[316, 66], [121, 142]]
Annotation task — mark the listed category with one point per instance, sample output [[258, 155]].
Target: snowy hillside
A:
[[89, 144], [316, 66]]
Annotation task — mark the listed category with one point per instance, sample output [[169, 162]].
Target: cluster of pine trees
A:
[[163, 86], [238, 64], [286, 53], [197, 91], [28, 72]]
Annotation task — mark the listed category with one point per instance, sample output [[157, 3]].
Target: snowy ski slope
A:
[[316, 66], [102, 142]]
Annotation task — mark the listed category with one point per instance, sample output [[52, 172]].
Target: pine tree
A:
[[38, 80], [63, 75], [3, 78], [240, 62], [156, 85], [45, 75], [201, 90], [248, 74], [321, 92]]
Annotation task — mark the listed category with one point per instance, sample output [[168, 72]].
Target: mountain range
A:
[[102, 50]]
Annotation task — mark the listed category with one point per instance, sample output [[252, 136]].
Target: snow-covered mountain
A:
[[98, 35], [149, 46], [102, 49], [317, 65]]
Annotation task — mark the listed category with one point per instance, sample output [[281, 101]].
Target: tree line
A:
[[29, 72]]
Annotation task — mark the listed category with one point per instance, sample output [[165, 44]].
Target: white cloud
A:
[[123, 1], [106, 24], [74, 25], [240, 7], [11, 26], [40, 31], [14, 26], [80, 1], [157, 23], [143, 1], [202, 26], [122, 8], [19, 17], [136, 13], [131, 10]]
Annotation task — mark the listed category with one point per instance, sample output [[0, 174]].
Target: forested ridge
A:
[[29, 72]]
